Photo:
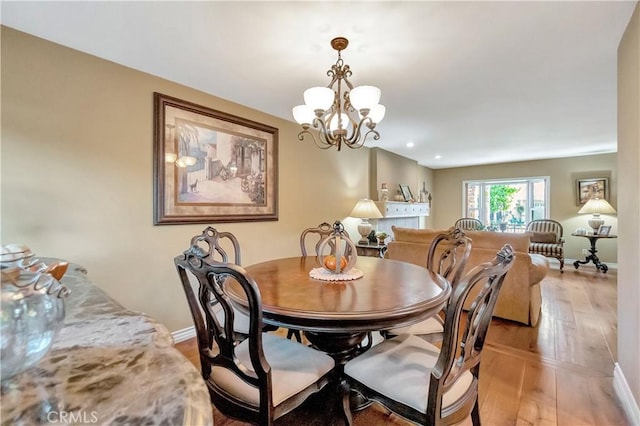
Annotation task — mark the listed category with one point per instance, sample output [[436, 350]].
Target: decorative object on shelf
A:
[[338, 116], [423, 193], [371, 237], [604, 230], [581, 231], [596, 206], [384, 192], [429, 200], [381, 237], [338, 264], [406, 192], [226, 167], [365, 209], [398, 196], [589, 188], [32, 308]]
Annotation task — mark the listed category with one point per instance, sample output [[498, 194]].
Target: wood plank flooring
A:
[[557, 373]]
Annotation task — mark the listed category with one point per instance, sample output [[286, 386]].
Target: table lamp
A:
[[596, 206], [365, 209]]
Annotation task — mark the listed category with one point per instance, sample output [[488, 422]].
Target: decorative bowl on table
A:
[[32, 310], [338, 264]]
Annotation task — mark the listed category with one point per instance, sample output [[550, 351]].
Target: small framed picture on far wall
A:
[[604, 230], [592, 188]]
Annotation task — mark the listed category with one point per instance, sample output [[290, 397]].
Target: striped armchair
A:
[[546, 239], [469, 224]]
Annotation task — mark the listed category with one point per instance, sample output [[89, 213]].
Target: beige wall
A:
[[629, 207], [77, 175], [563, 172]]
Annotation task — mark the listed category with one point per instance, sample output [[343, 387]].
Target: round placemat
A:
[[325, 275]]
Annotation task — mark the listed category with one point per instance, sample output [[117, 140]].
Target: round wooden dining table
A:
[[336, 316]]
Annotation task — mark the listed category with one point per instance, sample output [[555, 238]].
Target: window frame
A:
[[529, 181]]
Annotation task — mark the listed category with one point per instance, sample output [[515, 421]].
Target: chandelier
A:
[[339, 113]]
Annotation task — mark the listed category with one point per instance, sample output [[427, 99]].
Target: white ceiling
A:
[[473, 82]]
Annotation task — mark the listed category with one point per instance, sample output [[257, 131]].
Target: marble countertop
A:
[[108, 365]]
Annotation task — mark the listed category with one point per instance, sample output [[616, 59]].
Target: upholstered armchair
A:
[[469, 224], [546, 239]]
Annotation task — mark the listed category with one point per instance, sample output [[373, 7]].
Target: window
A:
[[506, 204]]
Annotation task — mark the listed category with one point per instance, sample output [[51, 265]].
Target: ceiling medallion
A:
[[339, 113]]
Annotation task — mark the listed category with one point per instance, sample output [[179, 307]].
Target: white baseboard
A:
[[625, 396], [184, 334]]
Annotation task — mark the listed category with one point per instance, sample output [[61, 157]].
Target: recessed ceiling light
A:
[[410, 144], [437, 157]]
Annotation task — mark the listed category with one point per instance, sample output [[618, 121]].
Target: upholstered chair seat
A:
[[447, 256], [294, 367], [407, 361], [436, 385], [255, 377]]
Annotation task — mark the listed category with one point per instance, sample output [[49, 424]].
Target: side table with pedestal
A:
[[371, 250], [593, 239]]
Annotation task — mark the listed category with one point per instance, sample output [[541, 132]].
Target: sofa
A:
[[520, 297]]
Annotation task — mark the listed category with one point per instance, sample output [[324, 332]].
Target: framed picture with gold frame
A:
[[211, 166]]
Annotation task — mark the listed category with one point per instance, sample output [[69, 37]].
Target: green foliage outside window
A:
[[500, 200]]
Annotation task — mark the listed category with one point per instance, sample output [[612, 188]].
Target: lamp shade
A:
[[364, 97], [377, 113], [320, 98], [597, 206], [303, 114], [366, 209]]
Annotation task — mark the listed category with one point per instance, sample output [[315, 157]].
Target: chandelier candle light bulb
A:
[[341, 115]]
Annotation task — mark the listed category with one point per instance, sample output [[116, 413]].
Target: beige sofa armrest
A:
[[539, 268]]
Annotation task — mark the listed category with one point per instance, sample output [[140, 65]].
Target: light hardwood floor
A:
[[557, 373]]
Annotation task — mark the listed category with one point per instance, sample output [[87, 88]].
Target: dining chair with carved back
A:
[[212, 245], [256, 379], [447, 256], [426, 384]]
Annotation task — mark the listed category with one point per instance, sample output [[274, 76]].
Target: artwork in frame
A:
[[211, 166], [592, 188], [406, 192], [604, 230]]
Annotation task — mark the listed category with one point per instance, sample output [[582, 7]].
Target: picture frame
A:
[[406, 192], [211, 166], [589, 188], [604, 230]]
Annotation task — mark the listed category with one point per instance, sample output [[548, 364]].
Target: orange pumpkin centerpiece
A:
[[339, 243], [330, 262]]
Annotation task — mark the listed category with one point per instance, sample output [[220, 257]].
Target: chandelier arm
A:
[[303, 133], [325, 134], [359, 144], [334, 77], [357, 130]]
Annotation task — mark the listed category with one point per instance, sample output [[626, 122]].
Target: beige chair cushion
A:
[[400, 368], [293, 368], [429, 326]]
